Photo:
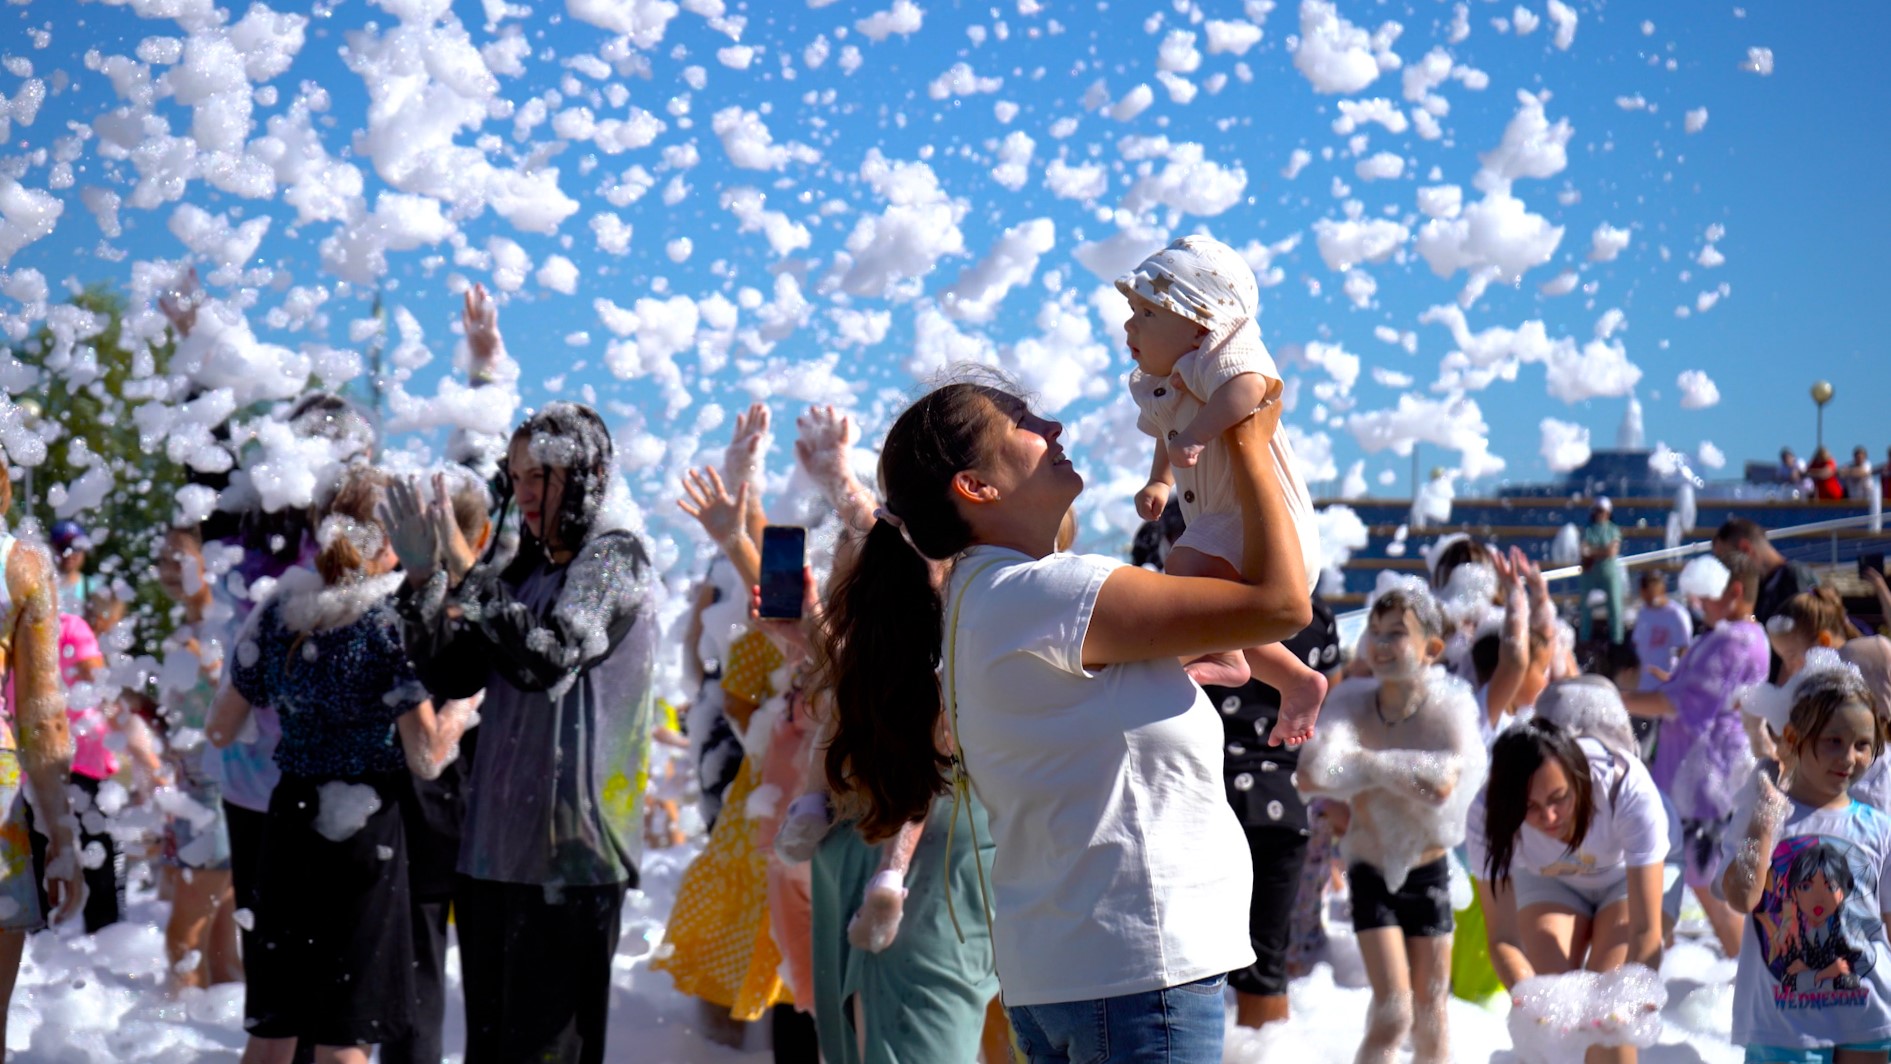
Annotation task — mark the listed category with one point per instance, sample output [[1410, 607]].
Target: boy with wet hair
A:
[[1401, 756]]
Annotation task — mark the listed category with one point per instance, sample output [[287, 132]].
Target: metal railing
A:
[[1353, 622]]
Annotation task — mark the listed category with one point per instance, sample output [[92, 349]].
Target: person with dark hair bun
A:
[[1119, 867], [561, 635]]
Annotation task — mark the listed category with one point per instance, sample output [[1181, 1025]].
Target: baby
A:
[[1201, 369]]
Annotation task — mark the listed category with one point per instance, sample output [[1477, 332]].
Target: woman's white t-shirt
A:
[[1630, 831], [1119, 866]]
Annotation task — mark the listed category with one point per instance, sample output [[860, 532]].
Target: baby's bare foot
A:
[[1219, 670], [1299, 708]]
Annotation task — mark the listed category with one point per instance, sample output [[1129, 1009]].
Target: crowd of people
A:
[[1821, 477], [984, 798]]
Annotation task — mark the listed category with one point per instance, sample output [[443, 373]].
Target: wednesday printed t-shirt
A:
[[1815, 971]]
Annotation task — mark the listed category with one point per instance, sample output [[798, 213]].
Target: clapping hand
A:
[[411, 531], [454, 552]]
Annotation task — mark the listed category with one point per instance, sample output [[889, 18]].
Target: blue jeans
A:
[[1178, 1025]]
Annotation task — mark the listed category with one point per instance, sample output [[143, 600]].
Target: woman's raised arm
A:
[[1141, 615]]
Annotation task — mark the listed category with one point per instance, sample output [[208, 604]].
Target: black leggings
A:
[[1278, 854], [537, 971]]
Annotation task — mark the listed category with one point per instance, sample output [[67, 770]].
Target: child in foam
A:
[[1567, 845], [1402, 751], [1814, 979], [1201, 368], [196, 835]]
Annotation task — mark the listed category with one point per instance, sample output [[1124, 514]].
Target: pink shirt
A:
[[90, 756]]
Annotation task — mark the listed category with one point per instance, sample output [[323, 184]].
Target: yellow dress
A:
[[722, 949]]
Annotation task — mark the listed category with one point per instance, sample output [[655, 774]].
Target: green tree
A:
[[85, 417]]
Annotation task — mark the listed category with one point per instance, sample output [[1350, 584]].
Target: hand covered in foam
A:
[[742, 462], [877, 922], [806, 824], [1557, 1018], [411, 530], [480, 318], [825, 436]]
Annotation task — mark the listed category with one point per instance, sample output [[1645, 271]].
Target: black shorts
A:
[[1421, 907]]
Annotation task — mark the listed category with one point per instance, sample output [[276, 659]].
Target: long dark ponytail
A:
[[885, 616]]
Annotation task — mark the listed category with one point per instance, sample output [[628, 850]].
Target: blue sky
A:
[[1789, 164]]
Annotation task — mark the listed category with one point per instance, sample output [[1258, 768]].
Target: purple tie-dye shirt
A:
[[1703, 748]]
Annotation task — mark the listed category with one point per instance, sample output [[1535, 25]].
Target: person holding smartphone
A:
[[562, 637]]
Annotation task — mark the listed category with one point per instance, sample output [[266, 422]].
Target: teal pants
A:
[[1608, 578]]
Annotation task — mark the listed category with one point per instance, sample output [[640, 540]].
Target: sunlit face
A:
[[1816, 898], [539, 489], [1158, 337], [180, 566], [1842, 751], [1027, 462], [1654, 594], [1397, 647], [1551, 805]]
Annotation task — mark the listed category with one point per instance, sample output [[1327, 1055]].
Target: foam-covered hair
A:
[[1589, 705], [1704, 577], [1824, 670], [1416, 596]]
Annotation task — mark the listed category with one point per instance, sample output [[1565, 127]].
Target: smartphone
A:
[[784, 557], [1871, 561]]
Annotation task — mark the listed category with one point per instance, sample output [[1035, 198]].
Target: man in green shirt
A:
[[1601, 564]]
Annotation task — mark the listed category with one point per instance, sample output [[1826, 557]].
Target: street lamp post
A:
[[1821, 395], [31, 409]]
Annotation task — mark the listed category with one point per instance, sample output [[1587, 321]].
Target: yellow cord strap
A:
[[962, 796], [961, 776]]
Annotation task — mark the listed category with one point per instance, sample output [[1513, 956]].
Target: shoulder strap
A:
[[961, 776]]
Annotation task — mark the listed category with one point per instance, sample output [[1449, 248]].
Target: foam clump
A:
[[1704, 577], [344, 808], [1405, 802], [1554, 1019]]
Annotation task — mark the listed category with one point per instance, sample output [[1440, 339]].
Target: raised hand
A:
[[742, 462], [709, 502], [411, 530], [822, 446], [180, 304], [454, 552], [480, 318]]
